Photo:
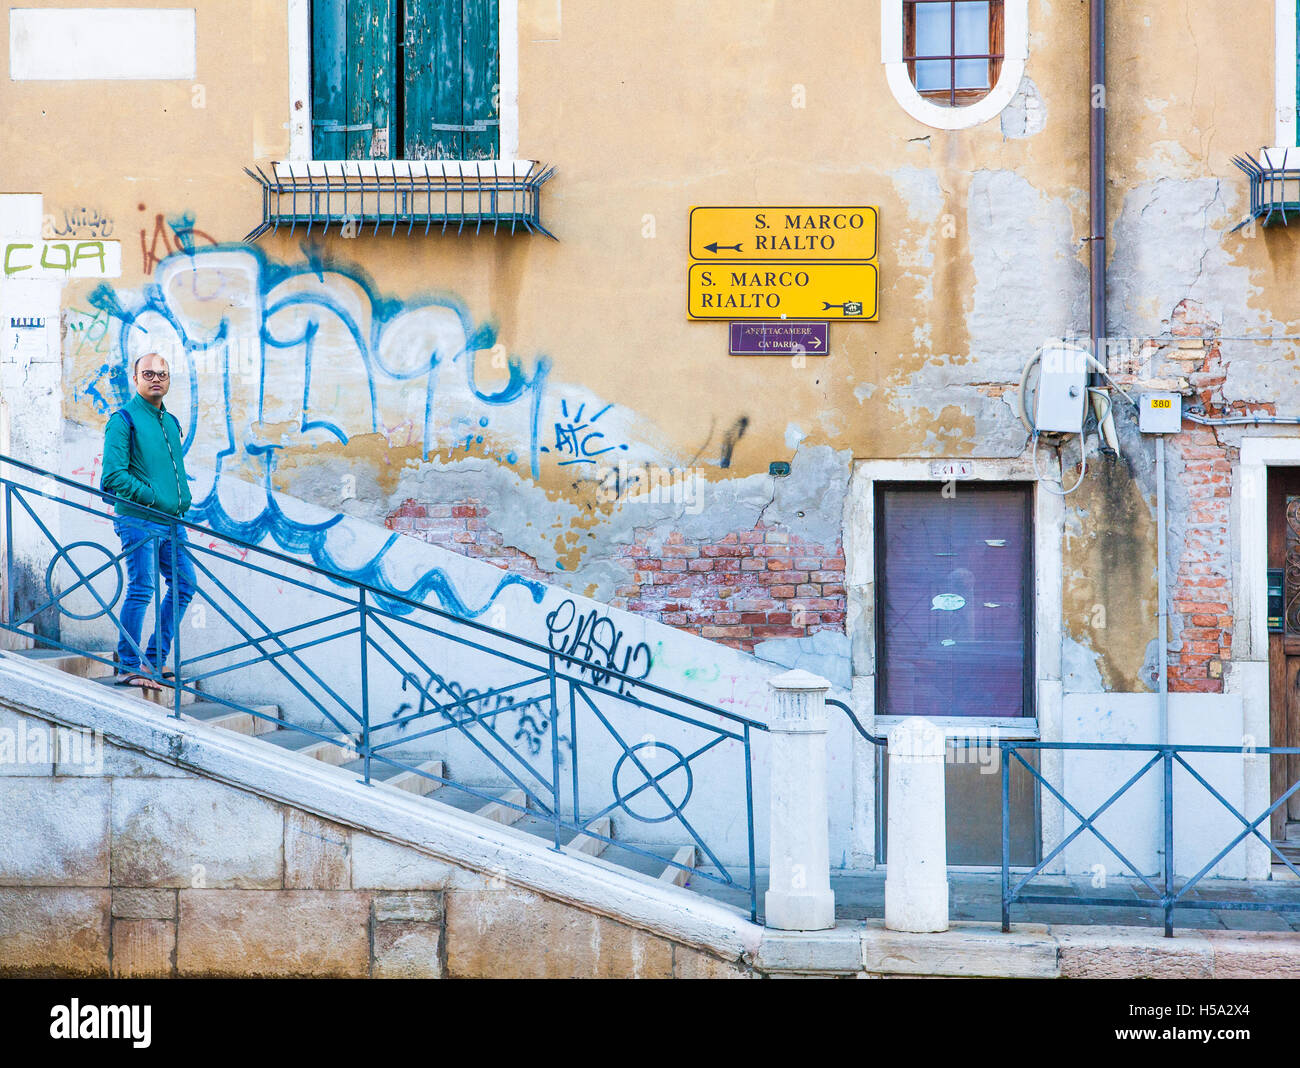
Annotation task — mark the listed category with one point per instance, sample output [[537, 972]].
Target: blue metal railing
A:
[[416, 644], [1169, 895]]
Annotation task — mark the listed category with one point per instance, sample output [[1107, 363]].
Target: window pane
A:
[[933, 29], [972, 74], [972, 29], [932, 74]]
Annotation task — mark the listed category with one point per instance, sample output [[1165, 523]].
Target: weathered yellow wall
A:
[[650, 109]]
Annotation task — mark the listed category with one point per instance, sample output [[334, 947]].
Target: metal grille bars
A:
[[354, 195], [1274, 188]]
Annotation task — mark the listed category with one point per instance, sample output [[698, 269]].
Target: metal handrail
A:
[[446, 707], [874, 739], [346, 580], [1167, 897]]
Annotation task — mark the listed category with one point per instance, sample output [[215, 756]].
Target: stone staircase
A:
[[269, 727]]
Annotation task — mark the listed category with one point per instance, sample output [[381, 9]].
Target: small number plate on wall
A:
[[1160, 413], [952, 469]]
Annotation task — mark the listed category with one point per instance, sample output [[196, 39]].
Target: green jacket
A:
[[146, 466]]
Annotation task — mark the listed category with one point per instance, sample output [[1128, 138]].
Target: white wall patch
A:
[[83, 43]]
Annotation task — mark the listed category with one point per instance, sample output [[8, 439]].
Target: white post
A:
[[799, 896], [916, 879]]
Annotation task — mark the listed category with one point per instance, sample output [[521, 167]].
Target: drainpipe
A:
[[1108, 439], [1097, 183]]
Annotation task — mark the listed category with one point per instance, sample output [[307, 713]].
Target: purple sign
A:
[[779, 338]]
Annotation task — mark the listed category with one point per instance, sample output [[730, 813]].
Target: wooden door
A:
[[1284, 648]]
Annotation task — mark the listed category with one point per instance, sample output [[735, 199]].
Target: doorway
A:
[[1284, 650], [955, 642]]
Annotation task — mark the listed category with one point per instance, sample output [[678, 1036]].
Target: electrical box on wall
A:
[[1062, 390], [1160, 413]]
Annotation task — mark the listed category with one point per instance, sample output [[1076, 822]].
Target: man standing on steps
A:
[[143, 465]]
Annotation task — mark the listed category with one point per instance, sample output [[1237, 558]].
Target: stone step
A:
[[165, 697], [86, 667], [1292, 831], [492, 808], [412, 782], [16, 641], [302, 744], [233, 719], [503, 813], [543, 827], [677, 876], [594, 847], [1283, 874], [651, 866]]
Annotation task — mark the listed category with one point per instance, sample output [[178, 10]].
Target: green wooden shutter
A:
[[328, 78], [433, 79], [482, 73], [352, 78], [451, 66]]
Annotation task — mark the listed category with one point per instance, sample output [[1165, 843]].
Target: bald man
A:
[[144, 467]]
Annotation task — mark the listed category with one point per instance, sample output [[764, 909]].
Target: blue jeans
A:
[[139, 547]]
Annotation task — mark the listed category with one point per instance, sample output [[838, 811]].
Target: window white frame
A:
[[1284, 37], [1015, 49], [1248, 671], [300, 93]]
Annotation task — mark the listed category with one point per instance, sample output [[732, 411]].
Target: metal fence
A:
[[1166, 892], [655, 758]]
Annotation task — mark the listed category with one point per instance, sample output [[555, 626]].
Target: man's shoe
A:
[[134, 678]]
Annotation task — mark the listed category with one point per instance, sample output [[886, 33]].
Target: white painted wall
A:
[[90, 43], [1134, 824]]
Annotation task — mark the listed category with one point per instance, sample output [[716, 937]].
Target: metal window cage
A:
[[1274, 186], [469, 197]]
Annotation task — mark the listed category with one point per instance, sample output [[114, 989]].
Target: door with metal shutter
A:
[[955, 600], [954, 632]]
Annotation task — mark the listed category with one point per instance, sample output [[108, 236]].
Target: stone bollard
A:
[[916, 879], [799, 896]]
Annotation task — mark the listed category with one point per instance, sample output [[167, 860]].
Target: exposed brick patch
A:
[[462, 528], [741, 589], [1200, 598]]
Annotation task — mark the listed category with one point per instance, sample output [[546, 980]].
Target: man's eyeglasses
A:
[[155, 376]]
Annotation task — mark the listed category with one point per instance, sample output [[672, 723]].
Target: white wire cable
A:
[[1083, 454]]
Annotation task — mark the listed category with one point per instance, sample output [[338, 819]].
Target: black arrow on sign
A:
[[715, 247]]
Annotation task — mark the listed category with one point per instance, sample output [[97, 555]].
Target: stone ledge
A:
[[835, 952], [965, 950], [1132, 952]]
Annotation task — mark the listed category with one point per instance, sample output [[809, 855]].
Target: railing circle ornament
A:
[[65, 553], [675, 778]]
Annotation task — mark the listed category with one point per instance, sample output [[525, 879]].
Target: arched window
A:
[[953, 64], [953, 48]]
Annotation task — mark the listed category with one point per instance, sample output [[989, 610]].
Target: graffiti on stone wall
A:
[[527, 715], [268, 357], [597, 641], [175, 235], [306, 355], [312, 540], [80, 221], [576, 439]]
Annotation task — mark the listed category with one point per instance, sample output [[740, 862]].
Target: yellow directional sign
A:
[[795, 235], [840, 291]]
